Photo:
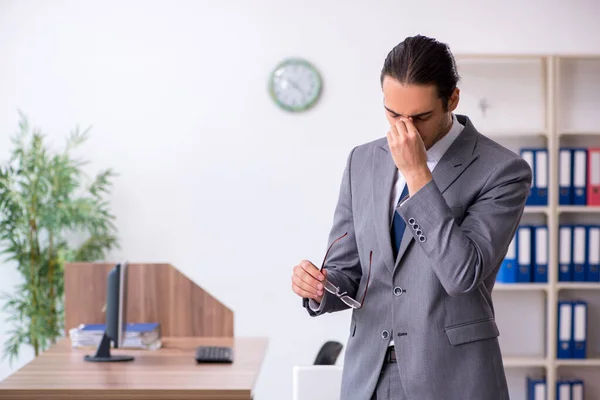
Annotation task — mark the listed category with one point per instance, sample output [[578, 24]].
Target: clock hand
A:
[[292, 83]]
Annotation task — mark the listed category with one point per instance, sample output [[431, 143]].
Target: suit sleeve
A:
[[343, 263], [463, 256]]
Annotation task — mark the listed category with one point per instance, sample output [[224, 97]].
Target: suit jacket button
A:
[[398, 291], [412, 221], [385, 334]]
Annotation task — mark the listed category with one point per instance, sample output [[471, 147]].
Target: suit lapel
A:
[[384, 173], [458, 157]]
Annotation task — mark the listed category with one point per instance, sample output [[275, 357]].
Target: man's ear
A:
[[453, 101]]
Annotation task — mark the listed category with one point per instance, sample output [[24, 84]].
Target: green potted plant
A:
[[44, 201]]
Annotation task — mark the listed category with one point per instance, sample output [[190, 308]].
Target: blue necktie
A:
[[398, 225]]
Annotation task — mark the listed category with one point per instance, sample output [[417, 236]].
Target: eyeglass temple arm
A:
[[329, 249], [368, 278]]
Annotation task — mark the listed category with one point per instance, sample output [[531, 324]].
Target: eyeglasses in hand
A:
[[331, 288]]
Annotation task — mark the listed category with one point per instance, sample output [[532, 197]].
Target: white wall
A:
[[214, 178]]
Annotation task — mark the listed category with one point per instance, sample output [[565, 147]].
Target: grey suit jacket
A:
[[434, 300]]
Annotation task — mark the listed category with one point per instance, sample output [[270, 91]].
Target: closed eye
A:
[[422, 117]]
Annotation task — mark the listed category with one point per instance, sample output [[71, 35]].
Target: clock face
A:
[[295, 85]]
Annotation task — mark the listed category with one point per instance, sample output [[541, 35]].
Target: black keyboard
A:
[[214, 354]]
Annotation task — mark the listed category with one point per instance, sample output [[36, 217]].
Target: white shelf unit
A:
[[547, 101]]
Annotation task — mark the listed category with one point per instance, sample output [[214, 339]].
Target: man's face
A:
[[422, 104]]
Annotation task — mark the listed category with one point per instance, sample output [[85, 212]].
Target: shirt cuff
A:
[[316, 307]]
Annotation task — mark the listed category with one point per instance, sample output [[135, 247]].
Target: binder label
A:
[[565, 245], [577, 391], [564, 391], [541, 162], [565, 325], [528, 156], [579, 326], [511, 253], [579, 175], [594, 246], [579, 245], [541, 244], [595, 168], [524, 246], [565, 168], [540, 391]]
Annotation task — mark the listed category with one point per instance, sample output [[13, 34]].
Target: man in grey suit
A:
[[423, 221]]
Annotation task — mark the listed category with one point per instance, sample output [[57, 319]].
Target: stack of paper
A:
[[137, 336]]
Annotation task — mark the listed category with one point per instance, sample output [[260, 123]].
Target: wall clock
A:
[[295, 85]]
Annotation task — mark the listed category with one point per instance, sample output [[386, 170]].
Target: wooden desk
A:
[[170, 373]]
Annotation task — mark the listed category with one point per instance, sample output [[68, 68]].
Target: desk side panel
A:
[[156, 293]]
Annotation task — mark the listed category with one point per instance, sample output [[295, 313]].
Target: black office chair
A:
[[329, 353]]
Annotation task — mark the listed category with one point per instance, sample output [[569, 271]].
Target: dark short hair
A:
[[423, 61]]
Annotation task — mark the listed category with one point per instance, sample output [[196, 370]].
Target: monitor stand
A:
[[103, 353]]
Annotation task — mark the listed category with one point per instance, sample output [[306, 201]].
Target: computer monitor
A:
[[116, 316]]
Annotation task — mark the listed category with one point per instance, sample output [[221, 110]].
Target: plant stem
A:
[[32, 270], [51, 261]]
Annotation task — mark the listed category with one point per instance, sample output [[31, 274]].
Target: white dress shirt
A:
[[434, 155]]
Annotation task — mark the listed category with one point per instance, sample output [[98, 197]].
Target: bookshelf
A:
[[546, 101]]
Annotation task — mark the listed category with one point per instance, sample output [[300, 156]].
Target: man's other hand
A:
[[308, 282]]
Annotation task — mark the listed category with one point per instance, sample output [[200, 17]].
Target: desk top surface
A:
[[170, 371]]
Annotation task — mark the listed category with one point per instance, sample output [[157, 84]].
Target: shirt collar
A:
[[437, 151]]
